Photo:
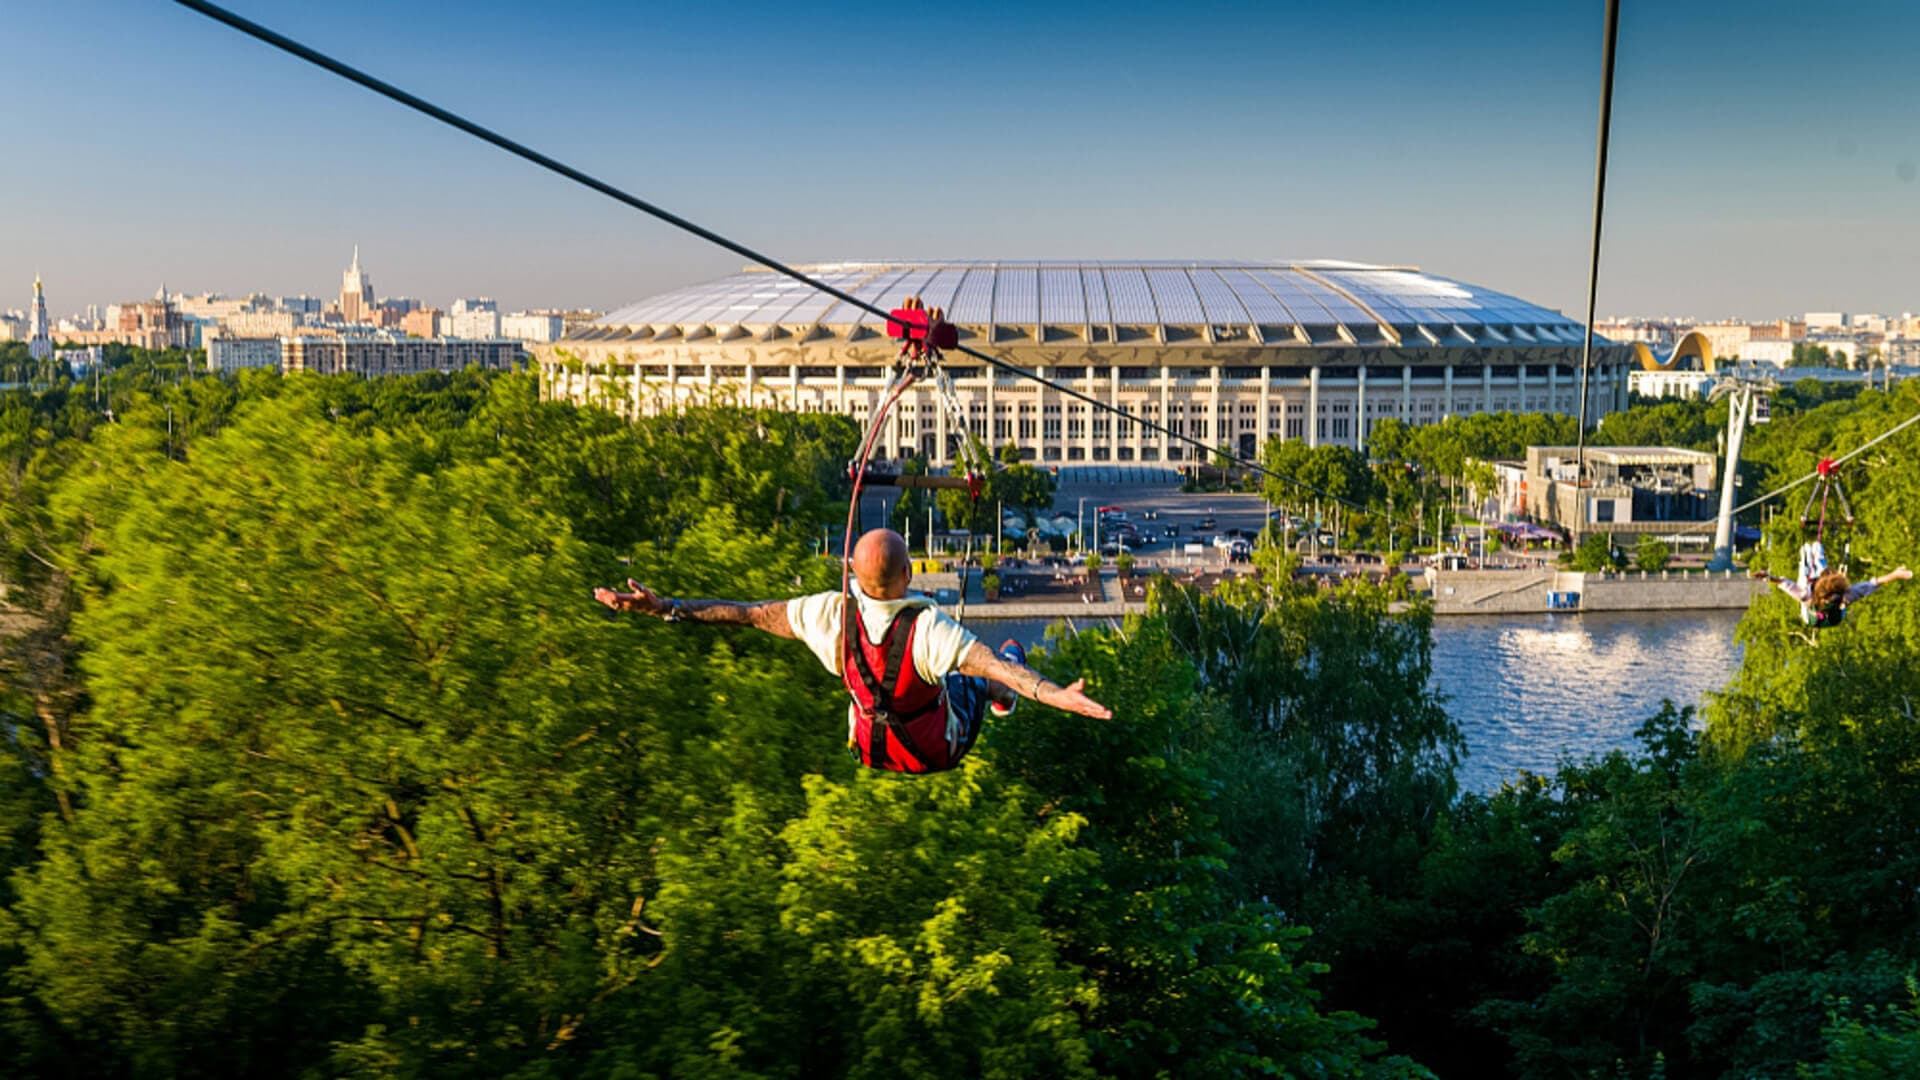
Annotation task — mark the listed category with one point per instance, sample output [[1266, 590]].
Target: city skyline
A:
[[1758, 170]]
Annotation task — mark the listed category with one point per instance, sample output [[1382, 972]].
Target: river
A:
[[1528, 690]]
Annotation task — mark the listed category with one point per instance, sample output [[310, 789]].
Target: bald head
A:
[[881, 566]]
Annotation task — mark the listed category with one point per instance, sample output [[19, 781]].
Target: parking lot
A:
[[1140, 492]]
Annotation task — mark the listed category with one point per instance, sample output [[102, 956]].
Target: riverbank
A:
[[1452, 592], [1502, 592]]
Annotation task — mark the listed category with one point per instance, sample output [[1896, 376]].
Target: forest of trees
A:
[[319, 760], [1414, 480]]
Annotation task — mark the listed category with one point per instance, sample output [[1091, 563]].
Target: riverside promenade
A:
[[1453, 592], [1502, 592]]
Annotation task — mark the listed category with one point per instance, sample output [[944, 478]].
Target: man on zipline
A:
[[921, 683]]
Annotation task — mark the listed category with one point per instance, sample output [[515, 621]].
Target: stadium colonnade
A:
[[1230, 353]]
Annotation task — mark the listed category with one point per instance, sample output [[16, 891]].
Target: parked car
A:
[[1240, 551], [1171, 530], [1205, 523]]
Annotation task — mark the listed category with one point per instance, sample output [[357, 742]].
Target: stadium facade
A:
[[1231, 353]]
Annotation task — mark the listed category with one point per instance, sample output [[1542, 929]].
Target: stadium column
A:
[[1553, 388], [1264, 427], [1313, 405], [1406, 393], [1486, 387], [793, 384], [1040, 421], [1215, 433], [673, 386], [993, 379], [1446, 407], [1091, 391], [1114, 425], [1360, 407], [751, 403], [840, 387], [1520, 382], [635, 361], [939, 433], [1166, 412]]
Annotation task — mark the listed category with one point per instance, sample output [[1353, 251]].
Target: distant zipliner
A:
[[1823, 592]]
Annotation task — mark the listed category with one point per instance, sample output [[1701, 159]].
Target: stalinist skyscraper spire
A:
[[356, 291], [39, 332]]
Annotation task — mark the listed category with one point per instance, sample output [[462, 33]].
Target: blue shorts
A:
[[967, 699]]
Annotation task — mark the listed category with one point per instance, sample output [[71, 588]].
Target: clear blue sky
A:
[[1763, 153]]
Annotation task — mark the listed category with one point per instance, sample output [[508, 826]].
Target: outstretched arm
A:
[[767, 615], [1866, 588], [1029, 683]]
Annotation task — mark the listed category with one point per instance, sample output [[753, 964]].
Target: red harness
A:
[[900, 719]]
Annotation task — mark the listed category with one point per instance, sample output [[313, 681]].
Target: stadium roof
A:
[[1299, 302]]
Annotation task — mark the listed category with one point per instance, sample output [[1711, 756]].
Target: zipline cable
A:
[[520, 150], [1599, 216], [1702, 526]]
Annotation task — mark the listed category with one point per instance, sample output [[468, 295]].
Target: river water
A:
[[1528, 690]]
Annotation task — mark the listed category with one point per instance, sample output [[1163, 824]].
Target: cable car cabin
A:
[[1762, 409]]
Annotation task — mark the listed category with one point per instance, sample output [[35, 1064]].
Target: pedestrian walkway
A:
[[1118, 474]]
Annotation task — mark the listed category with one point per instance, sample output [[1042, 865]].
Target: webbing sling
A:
[[881, 717]]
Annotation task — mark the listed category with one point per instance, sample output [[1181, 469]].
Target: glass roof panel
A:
[[1016, 296], [1062, 302], [1174, 295], [1259, 303], [870, 290], [1096, 286], [912, 283], [1286, 287], [816, 305], [1132, 299], [973, 306], [1223, 306]]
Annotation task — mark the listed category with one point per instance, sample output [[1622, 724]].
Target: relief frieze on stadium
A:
[[772, 359]]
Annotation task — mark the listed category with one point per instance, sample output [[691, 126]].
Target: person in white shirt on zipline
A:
[[920, 682]]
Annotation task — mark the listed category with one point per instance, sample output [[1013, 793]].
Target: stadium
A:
[[1231, 353]]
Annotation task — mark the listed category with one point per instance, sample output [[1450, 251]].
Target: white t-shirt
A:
[[939, 642]]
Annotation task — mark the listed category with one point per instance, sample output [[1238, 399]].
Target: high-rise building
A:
[[356, 292], [230, 354], [261, 324], [476, 320], [421, 322], [538, 327], [39, 338], [374, 354]]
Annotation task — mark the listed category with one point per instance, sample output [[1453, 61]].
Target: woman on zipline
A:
[[1824, 593]]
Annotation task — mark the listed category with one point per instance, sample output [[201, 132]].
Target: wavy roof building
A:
[[1231, 353]]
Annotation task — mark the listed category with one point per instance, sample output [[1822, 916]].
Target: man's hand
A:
[[641, 599], [1073, 699], [1028, 683]]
